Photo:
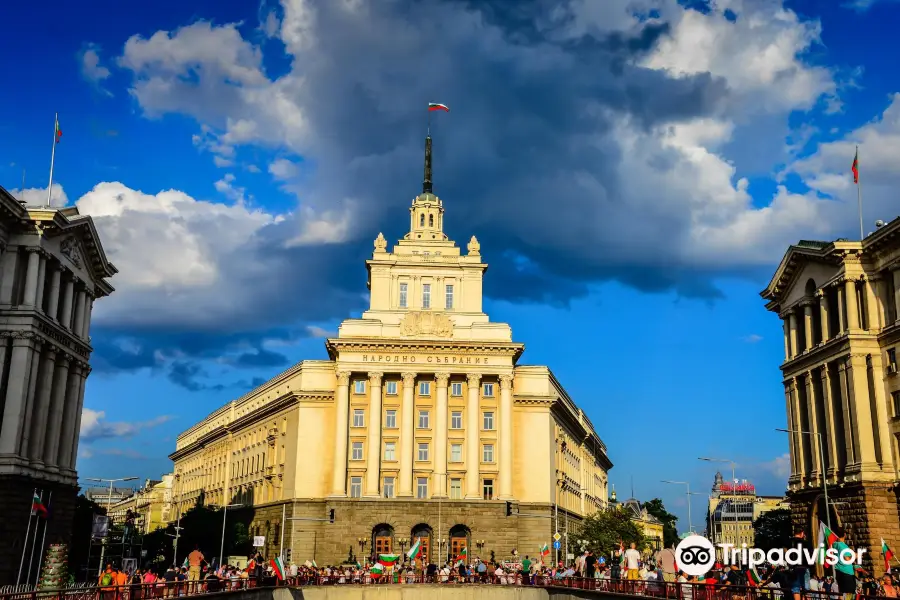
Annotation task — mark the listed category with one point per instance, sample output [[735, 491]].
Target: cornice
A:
[[337, 345]]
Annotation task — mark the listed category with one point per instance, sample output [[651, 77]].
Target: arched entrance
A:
[[383, 539], [422, 532], [459, 540]]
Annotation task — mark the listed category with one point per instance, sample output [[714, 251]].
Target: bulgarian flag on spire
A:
[[37, 506], [415, 550], [855, 167], [888, 555], [432, 106]]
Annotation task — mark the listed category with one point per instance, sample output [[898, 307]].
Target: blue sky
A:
[[633, 174]]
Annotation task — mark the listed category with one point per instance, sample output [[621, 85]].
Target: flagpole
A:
[[43, 539], [33, 543], [862, 234], [25, 542], [52, 157]]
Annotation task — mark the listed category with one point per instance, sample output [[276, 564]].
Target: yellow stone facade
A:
[[422, 407]]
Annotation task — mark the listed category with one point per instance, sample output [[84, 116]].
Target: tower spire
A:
[[426, 183]]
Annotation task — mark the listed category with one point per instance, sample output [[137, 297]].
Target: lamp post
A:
[[733, 479], [224, 517], [108, 507], [688, 485]]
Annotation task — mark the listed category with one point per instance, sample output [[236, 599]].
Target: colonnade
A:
[[407, 436], [45, 389]]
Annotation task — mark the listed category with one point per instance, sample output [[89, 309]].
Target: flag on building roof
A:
[[855, 167], [57, 133], [37, 506], [388, 560], [278, 567], [416, 550], [436, 106], [376, 570], [545, 550], [888, 555]]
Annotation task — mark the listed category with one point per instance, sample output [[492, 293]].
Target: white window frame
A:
[[487, 453], [390, 451], [422, 451], [484, 485], [390, 419], [356, 487], [424, 421], [390, 388], [453, 416], [354, 446], [421, 488], [487, 420], [359, 386], [387, 488], [456, 457], [456, 491], [404, 294], [448, 296], [359, 417], [424, 388], [488, 389], [426, 295], [456, 389]]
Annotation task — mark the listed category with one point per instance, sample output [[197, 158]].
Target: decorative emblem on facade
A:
[[69, 248], [426, 323], [474, 247], [380, 243]]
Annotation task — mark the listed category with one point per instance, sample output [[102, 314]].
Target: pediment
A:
[[808, 260]]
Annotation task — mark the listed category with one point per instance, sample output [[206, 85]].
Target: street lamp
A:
[[108, 506], [688, 485], [222, 545], [733, 480]]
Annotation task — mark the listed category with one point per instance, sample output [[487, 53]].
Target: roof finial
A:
[[426, 184]]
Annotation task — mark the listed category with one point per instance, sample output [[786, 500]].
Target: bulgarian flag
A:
[[388, 560], [888, 555], [416, 550], [463, 555], [622, 555], [545, 550], [376, 570], [855, 167], [278, 567], [250, 565], [37, 506], [753, 578], [826, 538], [57, 132], [432, 106]]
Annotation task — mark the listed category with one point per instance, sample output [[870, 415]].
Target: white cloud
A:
[[94, 426], [753, 338], [91, 69], [780, 466], [38, 196], [283, 169]]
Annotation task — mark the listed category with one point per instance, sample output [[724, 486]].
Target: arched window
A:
[[431, 220], [422, 220]]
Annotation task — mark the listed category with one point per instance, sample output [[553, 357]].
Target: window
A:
[[359, 418], [456, 453], [422, 220], [355, 487], [426, 295], [455, 489], [448, 296], [359, 386], [487, 454], [892, 358], [421, 487], [424, 388], [390, 450], [356, 452], [456, 419], [488, 421], [423, 452], [456, 389], [423, 419], [489, 390], [488, 489], [390, 419], [391, 388], [388, 487], [895, 396], [431, 220]]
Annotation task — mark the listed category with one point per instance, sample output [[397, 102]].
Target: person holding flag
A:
[[844, 571], [888, 555]]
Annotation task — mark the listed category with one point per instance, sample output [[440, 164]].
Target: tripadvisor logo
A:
[[696, 555]]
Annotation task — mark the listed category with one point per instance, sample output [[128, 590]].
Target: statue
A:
[[474, 247], [380, 243]]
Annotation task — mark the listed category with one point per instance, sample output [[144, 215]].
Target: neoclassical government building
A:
[[422, 424], [840, 306]]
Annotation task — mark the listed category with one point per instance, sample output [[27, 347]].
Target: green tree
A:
[[604, 530], [656, 508], [772, 529]]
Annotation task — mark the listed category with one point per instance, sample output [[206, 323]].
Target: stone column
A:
[[473, 436], [341, 432], [504, 434], [787, 338], [407, 435], [65, 315], [841, 310], [55, 415], [791, 425], [86, 322], [41, 407], [896, 275], [813, 412], [440, 437], [8, 262], [53, 300], [874, 318], [808, 324], [852, 300], [373, 458], [861, 408], [829, 436], [73, 389], [42, 272], [33, 375], [792, 328], [31, 276], [846, 408], [799, 441], [11, 431], [823, 314], [85, 371], [78, 314]]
